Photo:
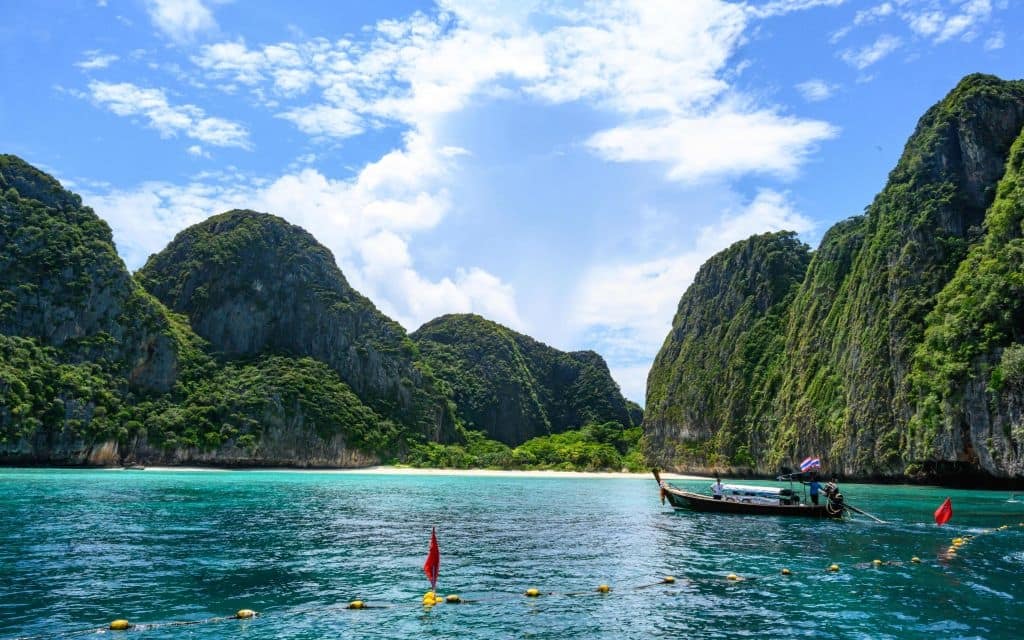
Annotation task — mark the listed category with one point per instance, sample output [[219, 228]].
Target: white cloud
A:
[[926, 23], [367, 222], [126, 99], [724, 142], [866, 16], [324, 120], [197, 151], [95, 59], [816, 90], [782, 7], [626, 309], [996, 41], [935, 24], [660, 65], [866, 56], [963, 24], [181, 20]]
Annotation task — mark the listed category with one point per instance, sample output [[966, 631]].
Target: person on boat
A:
[[717, 488], [814, 487], [836, 502]]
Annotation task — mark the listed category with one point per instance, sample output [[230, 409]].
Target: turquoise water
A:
[[80, 548]]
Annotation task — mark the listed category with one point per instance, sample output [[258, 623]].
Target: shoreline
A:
[[390, 470]]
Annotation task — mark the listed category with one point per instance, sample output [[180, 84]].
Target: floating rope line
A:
[[601, 590]]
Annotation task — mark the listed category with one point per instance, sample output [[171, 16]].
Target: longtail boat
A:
[[750, 500]]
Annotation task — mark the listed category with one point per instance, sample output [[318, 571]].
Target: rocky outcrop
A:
[[251, 283], [63, 284], [968, 376], [855, 382], [95, 370], [727, 335], [513, 387]]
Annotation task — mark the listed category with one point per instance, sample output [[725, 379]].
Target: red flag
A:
[[944, 512], [433, 563]]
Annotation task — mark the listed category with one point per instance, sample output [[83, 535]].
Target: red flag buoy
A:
[[944, 512], [433, 563]]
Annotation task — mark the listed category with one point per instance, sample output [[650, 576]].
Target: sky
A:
[[563, 168]]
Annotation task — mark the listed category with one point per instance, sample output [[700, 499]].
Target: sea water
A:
[[79, 548]]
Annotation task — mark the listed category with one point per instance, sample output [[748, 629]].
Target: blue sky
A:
[[560, 167]]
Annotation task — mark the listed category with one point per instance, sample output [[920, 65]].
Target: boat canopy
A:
[[758, 492]]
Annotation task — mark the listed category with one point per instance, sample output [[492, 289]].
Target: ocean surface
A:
[[79, 548]]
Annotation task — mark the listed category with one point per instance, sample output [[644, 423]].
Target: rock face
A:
[[95, 370], [727, 334], [863, 333], [63, 284], [968, 376], [251, 283], [514, 388]]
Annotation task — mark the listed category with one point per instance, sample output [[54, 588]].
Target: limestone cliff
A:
[[251, 283], [871, 323], [62, 283], [513, 387]]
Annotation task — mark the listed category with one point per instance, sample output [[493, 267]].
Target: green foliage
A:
[[254, 284], [595, 447], [40, 393], [512, 387], [978, 318], [243, 399], [727, 339]]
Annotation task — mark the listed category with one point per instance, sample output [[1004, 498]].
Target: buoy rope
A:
[[731, 579]]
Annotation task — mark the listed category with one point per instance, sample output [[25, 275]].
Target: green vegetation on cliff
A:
[[969, 371], [513, 388], [727, 338], [251, 283], [923, 280], [62, 283], [91, 362], [595, 447]]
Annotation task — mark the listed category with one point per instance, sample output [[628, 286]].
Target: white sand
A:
[[385, 470]]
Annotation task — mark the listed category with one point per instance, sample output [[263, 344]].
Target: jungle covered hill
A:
[[243, 344], [894, 350]]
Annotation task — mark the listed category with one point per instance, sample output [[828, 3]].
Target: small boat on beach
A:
[[750, 500]]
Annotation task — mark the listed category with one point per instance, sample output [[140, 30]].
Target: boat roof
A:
[[752, 490]]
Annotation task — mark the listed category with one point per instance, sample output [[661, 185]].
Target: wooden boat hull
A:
[[696, 502]]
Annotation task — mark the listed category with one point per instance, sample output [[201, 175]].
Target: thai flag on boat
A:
[[810, 463]]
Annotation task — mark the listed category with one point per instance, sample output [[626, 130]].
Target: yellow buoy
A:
[[876, 562], [733, 576], [453, 598], [786, 571], [669, 579], [430, 599], [603, 588], [958, 541], [952, 551], [833, 567], [245, 613], [120, 625], [531, 593], [915, 560], [356, 604]]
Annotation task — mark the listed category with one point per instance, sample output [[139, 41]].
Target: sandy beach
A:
[[386, 470]]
